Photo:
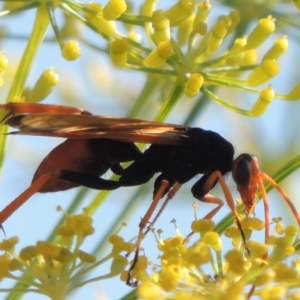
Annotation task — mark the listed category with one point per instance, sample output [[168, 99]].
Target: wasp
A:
[[96, 144]]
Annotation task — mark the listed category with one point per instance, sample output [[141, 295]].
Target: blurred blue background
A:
[[94, 84]]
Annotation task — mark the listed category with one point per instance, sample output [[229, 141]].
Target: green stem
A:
[[39, 29], [169, 105]]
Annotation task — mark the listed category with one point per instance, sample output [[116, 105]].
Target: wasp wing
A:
[[91, 126]]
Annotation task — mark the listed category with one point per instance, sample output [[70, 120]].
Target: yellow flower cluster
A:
[[202, 271], [56, 269], [177, 42]]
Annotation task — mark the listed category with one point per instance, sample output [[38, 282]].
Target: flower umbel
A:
[[56, 269], [204, 270]]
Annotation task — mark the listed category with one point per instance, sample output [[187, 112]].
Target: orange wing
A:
[[91, 126]]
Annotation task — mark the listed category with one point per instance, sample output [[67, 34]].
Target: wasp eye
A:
[[241, 171]]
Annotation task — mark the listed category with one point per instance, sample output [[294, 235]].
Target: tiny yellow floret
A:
[[180, 11], [28, 253], [71, 50], [118, 52], [260, 33], [215, 39], [262, 103], [236, 262], [213, 240], [203, 225], [47, 250], [203, 10], [193, 85], [159, 55], [263, 73], [114, 9], [161, 26], [9, 244], [280, 47], [44, 86]]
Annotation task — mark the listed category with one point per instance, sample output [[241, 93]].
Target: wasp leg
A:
[[87, 180], [157, 196], [117, 169], [79, 178], [204, 185]]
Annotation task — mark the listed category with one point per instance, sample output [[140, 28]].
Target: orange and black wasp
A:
[[96, 144]]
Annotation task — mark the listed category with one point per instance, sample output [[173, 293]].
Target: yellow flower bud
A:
[[159, 55], [260, 33], [170, 277], [257, 249], [252, 223], [235, 19], [65, 255], [265, 278], [273, 292], [95, 17], [118, 52], [47, 250], [114, 9], [44, 86], [203, 9], [148, 7], [161, 26], [93, 10], [9, 244], [185, 30], [213, 240], [263, 73], [116, 240], [236, 262], [180, 11], [265, 98], [149, 290], [193, 85], [197, 255], [15, 265], [291, 232], [216, 37], [203, 225], [28, 253], [249, 58], [280, 46], [71, 50], [81, 224]]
